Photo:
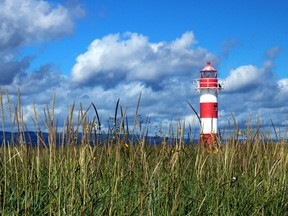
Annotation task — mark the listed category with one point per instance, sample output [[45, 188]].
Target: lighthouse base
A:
[[208, 139]]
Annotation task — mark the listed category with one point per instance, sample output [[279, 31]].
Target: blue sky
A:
[[101, 50]]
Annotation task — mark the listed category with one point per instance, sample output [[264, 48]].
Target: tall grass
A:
[[123, 176]]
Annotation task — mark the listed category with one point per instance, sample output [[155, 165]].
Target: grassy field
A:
[[119, 176]]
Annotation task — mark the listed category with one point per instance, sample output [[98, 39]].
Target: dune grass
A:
[[124, 176]]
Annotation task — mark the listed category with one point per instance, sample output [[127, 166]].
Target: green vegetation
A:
[[128, 177]]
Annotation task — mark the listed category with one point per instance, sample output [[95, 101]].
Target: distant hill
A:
[[30, 138]]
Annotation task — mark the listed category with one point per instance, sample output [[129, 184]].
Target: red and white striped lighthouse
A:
[[208, 87]]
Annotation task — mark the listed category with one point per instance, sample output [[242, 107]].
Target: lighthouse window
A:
[[215, 108], [208, 74]]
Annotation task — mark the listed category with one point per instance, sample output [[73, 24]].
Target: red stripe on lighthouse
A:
[[209, 82], [209, 110]]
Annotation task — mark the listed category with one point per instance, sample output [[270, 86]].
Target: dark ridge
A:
[[31, 138]]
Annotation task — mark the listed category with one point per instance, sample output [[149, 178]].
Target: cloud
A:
[[30, 21], [257, 86], [247, 78], [131, 57], [24, 22], [254, 93], [228, 46], [272, 53], [243, 79], [9, 69]]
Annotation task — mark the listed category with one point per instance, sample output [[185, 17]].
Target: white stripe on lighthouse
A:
[[208, 97], [209, 125]]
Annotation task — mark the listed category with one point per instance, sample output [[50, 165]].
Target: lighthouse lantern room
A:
[[208, 87]]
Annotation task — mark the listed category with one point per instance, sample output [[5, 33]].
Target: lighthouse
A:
[[208, 87]]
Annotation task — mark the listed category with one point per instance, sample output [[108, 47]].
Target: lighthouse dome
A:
[[208, 68], [208, 72]]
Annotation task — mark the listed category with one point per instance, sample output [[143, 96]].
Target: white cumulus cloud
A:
[[26, 21], [250, 77], [131, 57], [243, 78]]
